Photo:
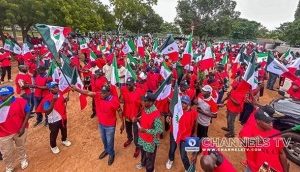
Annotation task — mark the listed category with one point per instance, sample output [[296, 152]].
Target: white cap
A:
[[207, 88], [143, 76], [189, 67]]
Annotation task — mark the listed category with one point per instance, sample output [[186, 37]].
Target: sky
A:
[[270, 13]]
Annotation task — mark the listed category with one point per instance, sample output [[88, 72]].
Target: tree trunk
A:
[[13, 27]]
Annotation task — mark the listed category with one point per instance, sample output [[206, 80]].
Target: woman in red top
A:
[[5, 66]]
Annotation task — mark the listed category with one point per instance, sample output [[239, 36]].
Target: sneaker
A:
[[127, 143], [24, 164], [9, 170], [66, 143], [139, 166], [169, 164], [10, 80], [55, 150], [136, 153]]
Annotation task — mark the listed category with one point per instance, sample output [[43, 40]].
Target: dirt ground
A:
[[86, 146]]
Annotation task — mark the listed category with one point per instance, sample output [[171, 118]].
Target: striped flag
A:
[[140, 46], [170, 48], [188, 53], [4, 109], [11, 46], [53, 36], [164, 70], [176, 110], [114, 72], [164, 89]]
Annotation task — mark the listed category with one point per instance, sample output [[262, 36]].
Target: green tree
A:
[[148, 22], [292, 33], [5, 17], [124, 10], [297, 13], [209, 17], [169, 28], [78, 14], [245, 29], [108, 19], [279, 33]]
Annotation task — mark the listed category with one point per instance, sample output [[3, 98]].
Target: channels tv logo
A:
[[192, 144]]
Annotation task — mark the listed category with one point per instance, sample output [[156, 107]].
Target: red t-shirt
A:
[[40, 81], [232, 107], [294, 93], [186, 124], [14, 117], [132, 102], [5, 60], [106, 110], [97, 83], [22, 78], [153, 81], [269, 154]]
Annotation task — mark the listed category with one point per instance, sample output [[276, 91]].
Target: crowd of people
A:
[[203, 92]]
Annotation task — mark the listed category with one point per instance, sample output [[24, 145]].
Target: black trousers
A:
[[132, 131], [183, 155], [6, 69], [54, 129], [148, 159], [245, 114], [202, 131]]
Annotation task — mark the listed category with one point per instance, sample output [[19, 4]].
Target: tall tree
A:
[[292, 33], [5, 19], [123, 10], [148, 22], [245, 29], [297, 13], [209, 17], [26, 13]]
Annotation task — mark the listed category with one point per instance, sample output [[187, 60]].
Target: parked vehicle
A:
[[289, 116]]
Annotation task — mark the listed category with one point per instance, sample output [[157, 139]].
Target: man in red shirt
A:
[[23, 85], [131, 95], [106, 118], [187, 124], [14, 115], [5, 66], [273, 153], [40, 91]]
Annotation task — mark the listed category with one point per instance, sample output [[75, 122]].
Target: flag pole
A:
[[62, 72]]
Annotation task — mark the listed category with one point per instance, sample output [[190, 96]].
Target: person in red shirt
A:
[[54, 106], [215, 161], [294, 90], [23, 83], [131, 95], [98, 80], [40, 91], [186, 126], [207, 109], [5, 66], [14, 115], [106, 118], [235, 102], [273, 154]]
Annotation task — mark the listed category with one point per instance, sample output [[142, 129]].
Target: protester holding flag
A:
[[186, 126], [54, 106], [5, 66], [106, 118], [14, 117], [150, 126]]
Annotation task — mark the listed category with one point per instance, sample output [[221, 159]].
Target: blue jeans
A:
[[108, 138], [39, 116], [29, 99], [183, 155]]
